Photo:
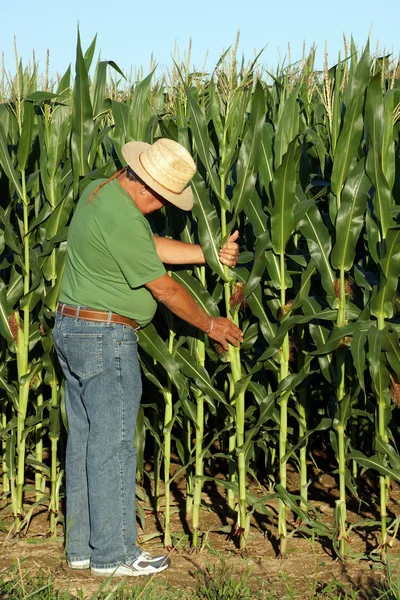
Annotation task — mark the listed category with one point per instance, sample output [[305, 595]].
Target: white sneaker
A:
[[79, 564], [144, 564]]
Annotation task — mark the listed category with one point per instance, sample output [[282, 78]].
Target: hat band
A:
[[155, 180]]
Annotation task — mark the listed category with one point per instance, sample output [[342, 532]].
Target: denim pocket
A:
[[84, 353]]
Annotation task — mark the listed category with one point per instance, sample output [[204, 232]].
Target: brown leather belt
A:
[[91, 314]]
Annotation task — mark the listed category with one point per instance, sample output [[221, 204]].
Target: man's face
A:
[[155, 201]]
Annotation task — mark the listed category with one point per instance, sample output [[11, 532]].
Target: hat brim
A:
[[131, 152]]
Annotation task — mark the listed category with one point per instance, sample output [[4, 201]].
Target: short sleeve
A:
[[132, 246]]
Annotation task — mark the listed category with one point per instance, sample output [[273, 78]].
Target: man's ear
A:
[[143, 190]]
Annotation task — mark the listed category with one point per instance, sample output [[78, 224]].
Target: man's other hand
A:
[[229, 252]]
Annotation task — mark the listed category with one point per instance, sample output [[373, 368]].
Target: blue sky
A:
[[129, 33]]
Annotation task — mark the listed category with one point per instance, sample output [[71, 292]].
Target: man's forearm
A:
[[179, 301], [174, 252]]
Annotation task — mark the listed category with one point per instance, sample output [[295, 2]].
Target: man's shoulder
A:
[[112, 206]]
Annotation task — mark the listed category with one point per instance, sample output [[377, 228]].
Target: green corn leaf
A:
[[337, 335], [391, 345], [259, 262], [31, 299], [255, 214], [374, 112], [41, 96], [292, 381], [350, 217], [51, 298], [11, 443], [81, 120], [375, 463], [155, 347], [287, 324], [181, 224], [293, 503], [284, 185], [266, 404], [215, 110], [190, 369], [26, 138], [256, 305], [99, 90], [59, 130], [120, 114], [5, 311], [323, 425], [235, 124], [89, 54], [189, 409], [266, 156], [350, 135], [6, 163], [387, 450], [199, 293], [140, 111], [318, 145], [15, 287], [43, 160], [382, 199], [255, 501], [373, 235], [381, 304], [248, 159], [209, 227], [377, 363], [33, 369], [274, 272], [202, 141], [59, 216], [63, 88], [388, 156], [343, 411], [357, 348], [336, 74], [319, 244], [176, 410], [287, 127], [305, 286], [250, 338]]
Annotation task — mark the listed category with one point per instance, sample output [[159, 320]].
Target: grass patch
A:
[[217, 581]]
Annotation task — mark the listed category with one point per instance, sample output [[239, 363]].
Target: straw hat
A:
[[165, 166]]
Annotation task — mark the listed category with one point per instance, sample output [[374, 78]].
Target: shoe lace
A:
[[142, 556]]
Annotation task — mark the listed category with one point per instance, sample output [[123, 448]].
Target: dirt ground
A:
[[309, 564]]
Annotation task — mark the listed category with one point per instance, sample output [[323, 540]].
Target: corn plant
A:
[[305, 165]]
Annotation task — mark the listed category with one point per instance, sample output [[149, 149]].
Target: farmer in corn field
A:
[[113, 279]]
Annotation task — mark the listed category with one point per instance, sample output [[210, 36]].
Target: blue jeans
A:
[[103, 390]]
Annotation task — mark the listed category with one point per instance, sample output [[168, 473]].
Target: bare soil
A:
[[308, 565]]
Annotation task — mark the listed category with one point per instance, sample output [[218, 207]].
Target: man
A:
[[113, 279]]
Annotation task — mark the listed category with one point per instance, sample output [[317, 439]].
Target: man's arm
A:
[[180, 302], [173, 252]]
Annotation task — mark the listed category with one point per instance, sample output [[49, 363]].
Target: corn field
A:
[[306, 165]]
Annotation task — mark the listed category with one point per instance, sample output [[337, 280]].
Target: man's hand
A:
[[224, 331], [229, 252]]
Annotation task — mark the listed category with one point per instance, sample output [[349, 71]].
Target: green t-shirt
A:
[[111, 255]]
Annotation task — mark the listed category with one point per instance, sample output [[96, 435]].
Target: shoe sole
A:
[[79, 566], [125, 571]]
